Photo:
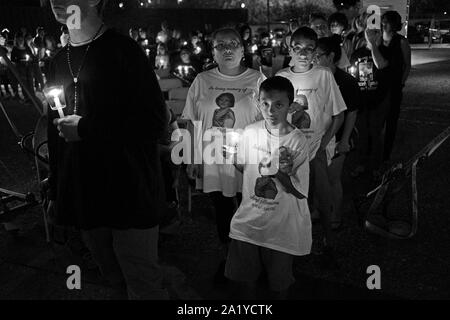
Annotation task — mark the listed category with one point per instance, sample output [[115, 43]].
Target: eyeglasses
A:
[[224, 46], [299, 50]]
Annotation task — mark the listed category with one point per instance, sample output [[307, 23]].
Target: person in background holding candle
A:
[[374, 75], [105, 173], [230, 77], [272, 224], [47, 53], [21, 56], [38, 80], [187, 67], [162, 60]]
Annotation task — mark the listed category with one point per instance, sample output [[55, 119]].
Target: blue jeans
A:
[[129, 257]]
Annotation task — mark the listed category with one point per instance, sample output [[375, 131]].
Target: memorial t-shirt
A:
[[373, 82], [221, 102], [269, 216], [318, 90]]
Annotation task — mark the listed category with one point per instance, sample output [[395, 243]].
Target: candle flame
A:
[[54, 92]]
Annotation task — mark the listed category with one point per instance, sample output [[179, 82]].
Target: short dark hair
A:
[[345, 4], [304, 32], [316, 16], [227, 30], [279, 84], [394, 19], [340, 18], [329, 45]]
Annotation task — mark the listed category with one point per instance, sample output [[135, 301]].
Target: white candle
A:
[[58, 106], [27, 57], [147, 51], [232, 140], [47, 52], [53, 95], [254, 48]]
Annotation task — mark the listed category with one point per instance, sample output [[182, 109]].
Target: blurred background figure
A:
[[134, 33], [249, 51], [64, 37], [185, 67], [22, 57], [162, 57], [400, 64]]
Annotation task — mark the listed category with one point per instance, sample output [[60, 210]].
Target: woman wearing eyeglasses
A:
[[221, 98]]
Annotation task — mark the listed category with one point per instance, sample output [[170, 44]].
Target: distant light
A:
[[121, 5], [445, 12], [149, 1], [142, 4], [179, 1], [242, 5]]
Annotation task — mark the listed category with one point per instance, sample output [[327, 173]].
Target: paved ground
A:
[[411, 269]]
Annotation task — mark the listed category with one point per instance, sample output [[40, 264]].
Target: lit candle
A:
[[198, 50], [27, 57], [232, 140], [254, 48], [180, 70], [147, 52], [186, 70], [36, 50], [47, 52], [353, 71], [53, 95], [146, 42]]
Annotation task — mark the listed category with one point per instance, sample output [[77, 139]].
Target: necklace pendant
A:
[[75, 80]]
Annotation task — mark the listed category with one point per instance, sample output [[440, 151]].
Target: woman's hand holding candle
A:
[[68, 128]]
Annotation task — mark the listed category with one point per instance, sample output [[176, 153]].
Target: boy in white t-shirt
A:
[[321, 106], [272, 224]]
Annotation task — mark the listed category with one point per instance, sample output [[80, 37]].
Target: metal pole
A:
[[268, 15]]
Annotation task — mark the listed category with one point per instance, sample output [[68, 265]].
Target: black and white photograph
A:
[[225, 156]]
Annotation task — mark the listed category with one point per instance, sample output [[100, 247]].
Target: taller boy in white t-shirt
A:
[[319, 113], [273, 223]]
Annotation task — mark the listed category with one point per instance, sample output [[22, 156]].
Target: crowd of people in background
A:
[[344, 93]]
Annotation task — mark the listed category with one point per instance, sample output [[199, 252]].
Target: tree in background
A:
[[279, 9]]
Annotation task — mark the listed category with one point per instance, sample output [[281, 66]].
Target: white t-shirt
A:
[[269, 216], [221, 101], [317, 89]]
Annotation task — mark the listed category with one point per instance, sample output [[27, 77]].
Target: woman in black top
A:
[[400, 53]]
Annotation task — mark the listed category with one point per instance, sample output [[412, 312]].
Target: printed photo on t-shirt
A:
[[265, 186], [301, 119], [224, 116]]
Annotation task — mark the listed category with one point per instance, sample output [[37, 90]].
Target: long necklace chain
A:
[[76, 76]]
